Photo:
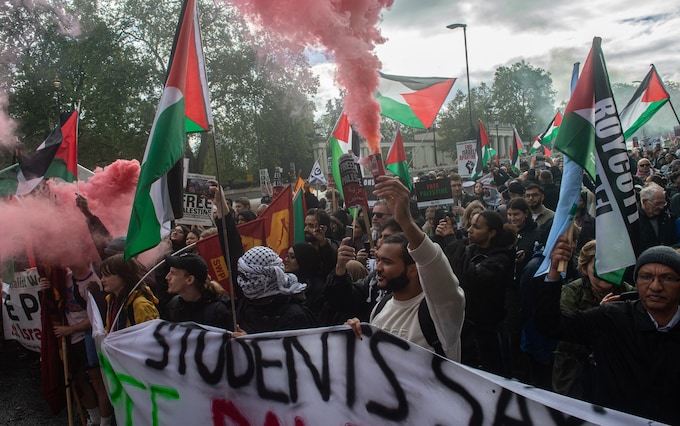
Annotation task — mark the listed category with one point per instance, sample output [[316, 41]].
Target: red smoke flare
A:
[[347, 29]]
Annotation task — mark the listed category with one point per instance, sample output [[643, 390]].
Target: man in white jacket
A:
[[413, 268]]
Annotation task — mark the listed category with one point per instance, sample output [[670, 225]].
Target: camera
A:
[[441, 214], [629, 295], [349, 232]]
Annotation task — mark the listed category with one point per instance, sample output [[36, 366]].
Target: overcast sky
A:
[[549, 35]]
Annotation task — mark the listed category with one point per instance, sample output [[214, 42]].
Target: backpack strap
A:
[[427, 327], [380, 305]]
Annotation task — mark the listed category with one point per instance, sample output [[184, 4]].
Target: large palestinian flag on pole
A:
[[56, 157], [183, 107], [646, 101], [591, 135], [412, 101]]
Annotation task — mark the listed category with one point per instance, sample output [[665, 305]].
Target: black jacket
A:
[[637, 366], [648, 238], [210, 309], [484, 274], [353, 299], [275, 313]]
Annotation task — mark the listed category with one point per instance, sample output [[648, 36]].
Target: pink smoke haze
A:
[[347, 29], [54, 225]]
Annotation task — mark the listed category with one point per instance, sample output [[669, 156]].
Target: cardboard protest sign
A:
[[21, 309]]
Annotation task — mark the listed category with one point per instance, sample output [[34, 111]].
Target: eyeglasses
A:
[[381, 215], [644, 165], [658, 203], [666, 279]]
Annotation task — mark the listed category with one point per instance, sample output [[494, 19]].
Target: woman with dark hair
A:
[[485, 270], [304, 261], [519, 215], [245, 216], [192, 237], [118, 278], [178, 237]]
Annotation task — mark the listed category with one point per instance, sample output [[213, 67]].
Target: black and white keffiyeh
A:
[[261, 274]]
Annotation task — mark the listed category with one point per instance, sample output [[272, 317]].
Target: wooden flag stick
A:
[[562, 266]]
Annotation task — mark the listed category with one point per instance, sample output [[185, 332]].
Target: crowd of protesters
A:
[[457, 279]]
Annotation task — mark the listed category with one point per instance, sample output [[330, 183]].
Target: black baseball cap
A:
[[190, 262]]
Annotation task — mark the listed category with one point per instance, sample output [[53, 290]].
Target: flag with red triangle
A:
[[57, 156], [412, 101], [184, 107], [396, 161], [516, 150], [340, 143], [591, 109], [547, 138], [483, 152], [649, 97]]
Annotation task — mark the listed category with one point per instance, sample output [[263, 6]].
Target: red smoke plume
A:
[[53, 225], [347, 29]]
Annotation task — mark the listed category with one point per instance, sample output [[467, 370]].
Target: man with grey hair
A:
[[656, 226]]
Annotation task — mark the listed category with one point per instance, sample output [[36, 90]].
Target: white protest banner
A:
[[160, 373], [21, 309]]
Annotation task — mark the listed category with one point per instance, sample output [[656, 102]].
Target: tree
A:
[[524, 97], [453, 121]]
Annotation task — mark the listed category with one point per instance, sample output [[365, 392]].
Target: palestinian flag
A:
[[537, 146], [340, 143], [183, 107], [646, 101], [412, 101], [396, 161], [547, 138], [56, 157], [516, 150], [483, 151], [598, 153]]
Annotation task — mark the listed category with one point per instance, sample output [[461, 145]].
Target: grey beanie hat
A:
[[115, 246], [659, 254]]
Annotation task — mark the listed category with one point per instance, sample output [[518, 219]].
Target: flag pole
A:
[[673, 109], [77, 126], [224, 242]]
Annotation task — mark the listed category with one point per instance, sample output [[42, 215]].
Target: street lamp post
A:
[[467, 69], [57, 88], [498, 141]]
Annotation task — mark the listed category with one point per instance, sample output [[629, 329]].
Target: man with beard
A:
[[350, 298], [414, 268], [317, 232]]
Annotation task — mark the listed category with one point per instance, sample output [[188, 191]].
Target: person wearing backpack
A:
[[196, 297], [415, 269]]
